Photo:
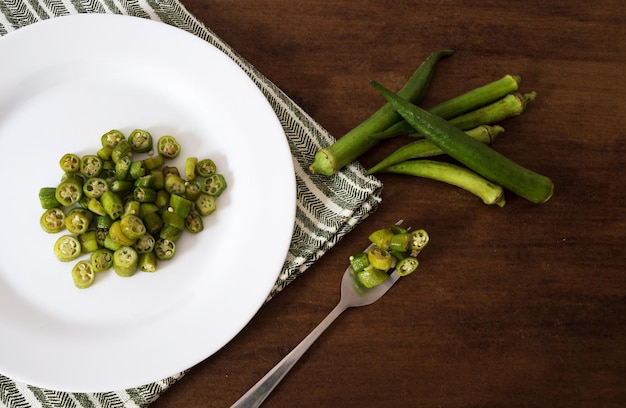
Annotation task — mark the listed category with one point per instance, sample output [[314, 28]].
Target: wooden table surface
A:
[[521, 306]]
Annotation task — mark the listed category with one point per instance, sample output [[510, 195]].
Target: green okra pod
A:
[[358, 140], [510, 105], [425, 148], [470, 152], [451, 174]]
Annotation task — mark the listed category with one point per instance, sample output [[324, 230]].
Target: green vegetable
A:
[[379, 258], [77, 221], [121, 211], [452, 174], [358, 140], [194, 223], [70, 190], [140, 141], [120, 150], [472, 153], [164, 249], [168, 147], [47, 198], [67, 248], [205, 167], [400, 251], [407, 266], [88, 241], [125, 261], [70, 163], [83, 274], [214, 184], [147, 262], [511, 105], [52, 220], [132, 227], [358, 262], [112, 204], [101, 259], [206, 204], [344, 151], [112, 138], [90, 165], [425, 148], [370, 277], [94, 187]]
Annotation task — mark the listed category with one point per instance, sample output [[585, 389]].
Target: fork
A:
[[352, 295]]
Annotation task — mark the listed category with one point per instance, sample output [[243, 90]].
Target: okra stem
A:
[[452, 174], [425, 148], [358, 140]]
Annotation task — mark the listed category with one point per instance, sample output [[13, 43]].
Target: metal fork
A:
[[352, 295]]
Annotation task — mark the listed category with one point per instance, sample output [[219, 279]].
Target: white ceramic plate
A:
[[65, 82]]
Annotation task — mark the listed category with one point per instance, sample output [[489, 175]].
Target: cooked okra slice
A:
[[407, 265], [170, 232], [370, 277], [359, 262], [94, 187], [70, 190], [214, 184], [70, 163], [137, 169], [88, 241], [379, 258], [194, 223], [125, 261], [67, 248], [381, 238], [190, 168], [47, 198], [118, 236], [154, 162], [112, 204], [419, 239], [122, 167], [140, 140], [168, 147], [145, 194], [147, 262], [101, 259], [145, 243], [400, 242], [120, 150], [132, 227], [206, 204], [164, 249], [90, 165], [175, 184], [77, 221], [180, 205], [112, 138], [206, 167], [53, 220], [192, 190], [83, 274]]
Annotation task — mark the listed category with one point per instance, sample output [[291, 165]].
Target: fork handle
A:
[[260, 391]]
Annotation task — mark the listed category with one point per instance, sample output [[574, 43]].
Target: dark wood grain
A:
[[521, 306]]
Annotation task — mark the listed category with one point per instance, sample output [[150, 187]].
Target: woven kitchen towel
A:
[[327, 207]]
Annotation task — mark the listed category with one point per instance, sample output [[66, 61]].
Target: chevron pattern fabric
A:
[[327, 208]]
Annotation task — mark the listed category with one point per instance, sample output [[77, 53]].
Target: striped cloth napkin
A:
[[327, 208]]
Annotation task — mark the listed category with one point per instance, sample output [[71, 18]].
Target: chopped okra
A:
[[125, 207], [391, 248]]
